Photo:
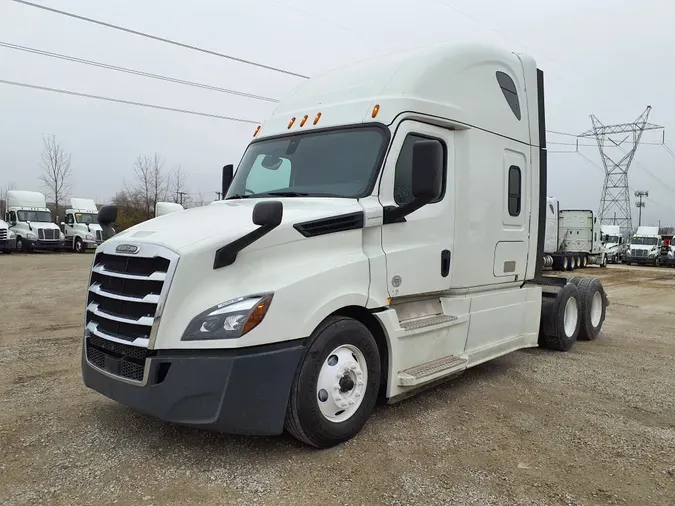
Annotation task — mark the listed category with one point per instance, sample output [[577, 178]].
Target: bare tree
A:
[[200, 200], [178, 188], [56, 171], [3, 197], [151, 186]]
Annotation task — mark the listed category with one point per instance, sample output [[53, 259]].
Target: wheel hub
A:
[[342, 383]]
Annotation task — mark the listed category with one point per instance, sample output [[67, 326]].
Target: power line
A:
[[134, 72], [127, 102], [160, 39]]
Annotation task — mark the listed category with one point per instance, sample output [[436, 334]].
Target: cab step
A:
[[426, 321], [431, 370]]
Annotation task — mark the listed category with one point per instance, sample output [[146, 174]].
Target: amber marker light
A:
[[318, 117], [256, 131], [304, 120], [376, 109], [290, 123]]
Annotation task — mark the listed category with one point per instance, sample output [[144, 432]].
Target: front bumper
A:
[[642, 260], [44, 244], [8, 244], [241, 391]]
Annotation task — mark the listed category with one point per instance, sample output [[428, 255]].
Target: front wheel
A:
[[336, 386], [79, 245]]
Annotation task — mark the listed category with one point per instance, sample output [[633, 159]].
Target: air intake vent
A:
[[352, 221]]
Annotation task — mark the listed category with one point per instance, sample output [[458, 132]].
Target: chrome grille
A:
[[124, 302], [638, 252], [99, 236], [3, 234], [48, 234]]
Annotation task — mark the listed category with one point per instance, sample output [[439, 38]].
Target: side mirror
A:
[[268, 213], [427, 164], [63, 224], [107, 215], [228, 174], [427, 170]]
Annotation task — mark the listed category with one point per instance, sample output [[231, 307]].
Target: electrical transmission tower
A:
[[615, 200]]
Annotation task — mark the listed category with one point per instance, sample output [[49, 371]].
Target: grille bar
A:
[[155, 276], [93, 307], [139, 342], [150, 298], [3, 234]]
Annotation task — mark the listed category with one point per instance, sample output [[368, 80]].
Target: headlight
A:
[[89, 237], [31, 236], [61, 236], [627, 252], [12, 235], [228, 320], [652, 253]]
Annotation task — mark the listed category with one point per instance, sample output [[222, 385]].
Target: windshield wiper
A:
[[238, 196], [281, 194]]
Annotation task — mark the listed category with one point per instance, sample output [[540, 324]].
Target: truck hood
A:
[[223, 221], [37, 225], [643, 247]]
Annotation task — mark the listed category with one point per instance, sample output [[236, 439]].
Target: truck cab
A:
[[614, 243], [645, 247], [80, 226], [7, 238], [32, 223], [383, 232]]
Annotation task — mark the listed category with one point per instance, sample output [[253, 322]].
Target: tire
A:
[[565, 263], [79, 245], [308, 408], [584, 261], [20, 246], [571, 264], [560, 319], [603, 261], [592, 306]]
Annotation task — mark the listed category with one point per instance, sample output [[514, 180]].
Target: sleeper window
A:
[[514, 191]]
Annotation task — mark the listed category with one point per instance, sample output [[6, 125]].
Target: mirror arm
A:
[[397, 214], [228, 254]]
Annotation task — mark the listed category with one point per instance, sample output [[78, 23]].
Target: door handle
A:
[[445, 263]]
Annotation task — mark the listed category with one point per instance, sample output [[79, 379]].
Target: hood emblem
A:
[[130, 249]]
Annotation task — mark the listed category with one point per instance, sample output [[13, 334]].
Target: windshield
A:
[[337, 163], [612, 239], [88, 218], [649, 241], [37, 216]]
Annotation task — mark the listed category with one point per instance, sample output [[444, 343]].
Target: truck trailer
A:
[[383, 232], [573, 238]]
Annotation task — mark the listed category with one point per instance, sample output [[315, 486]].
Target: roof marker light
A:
[[256, 131], [318, 117], [290, 123], [376, 109], [304, 119]]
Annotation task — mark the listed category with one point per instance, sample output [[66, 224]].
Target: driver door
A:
[[418, 250]]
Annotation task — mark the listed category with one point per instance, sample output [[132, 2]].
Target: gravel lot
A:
[[592, 426]]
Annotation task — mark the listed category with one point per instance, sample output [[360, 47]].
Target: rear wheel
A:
[[337, 383], [560, 321], [592, 306]]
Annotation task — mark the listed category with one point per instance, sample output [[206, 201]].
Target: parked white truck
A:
[[7, 238], [614, 243], [81, 228], [31, 221], [383, 232], [573, 238], [645, 247]]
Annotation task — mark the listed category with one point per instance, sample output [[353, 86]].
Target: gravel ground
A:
[[592, 426]]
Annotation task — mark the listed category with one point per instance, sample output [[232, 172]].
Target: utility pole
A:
[[640, 203], [219, 194], [615, 191], [179, 197]]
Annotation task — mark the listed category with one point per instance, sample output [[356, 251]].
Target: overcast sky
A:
[[610, 58]]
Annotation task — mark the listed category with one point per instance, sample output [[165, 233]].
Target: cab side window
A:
[[12, 217], [69, 219], [403, 175]]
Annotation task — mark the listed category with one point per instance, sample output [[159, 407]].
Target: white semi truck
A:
[[645, 247], [81, 228], [31, 221], [573, 238], [7, 238], [614, 243], [348, 258]]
